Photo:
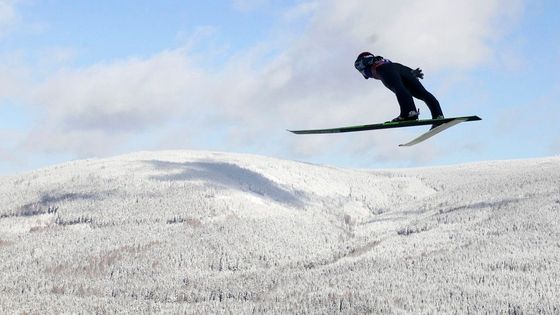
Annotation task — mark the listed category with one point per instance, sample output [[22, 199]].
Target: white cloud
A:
[[13, 76], [54, 56], [8, 15], [303, 9], [248, 5], [83, 106], [434, 33]]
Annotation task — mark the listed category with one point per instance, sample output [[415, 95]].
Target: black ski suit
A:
[[401, 80]]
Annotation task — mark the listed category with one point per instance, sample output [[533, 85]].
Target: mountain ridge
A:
[[195, 231]]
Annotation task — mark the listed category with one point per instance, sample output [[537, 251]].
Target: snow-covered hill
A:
[[202, 232]]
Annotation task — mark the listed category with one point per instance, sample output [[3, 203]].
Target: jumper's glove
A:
[[418, 73]]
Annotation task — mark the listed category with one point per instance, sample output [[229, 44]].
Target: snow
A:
[[208, 232]]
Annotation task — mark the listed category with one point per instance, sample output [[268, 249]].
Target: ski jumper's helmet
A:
[[363, 63]]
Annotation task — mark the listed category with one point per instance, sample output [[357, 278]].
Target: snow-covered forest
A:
[[205, 232]]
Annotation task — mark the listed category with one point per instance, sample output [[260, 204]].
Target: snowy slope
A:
[[203, 232]]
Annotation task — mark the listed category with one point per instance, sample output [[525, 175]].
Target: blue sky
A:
[[83, 79]]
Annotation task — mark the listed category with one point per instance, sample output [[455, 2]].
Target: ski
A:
[[432, 132], [386, 125]]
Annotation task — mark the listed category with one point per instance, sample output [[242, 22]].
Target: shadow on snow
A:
[[229, 176]]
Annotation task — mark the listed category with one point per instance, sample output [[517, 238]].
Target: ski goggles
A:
[[363, 64]]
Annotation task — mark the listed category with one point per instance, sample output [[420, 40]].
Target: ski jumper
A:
[[401, 80]]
